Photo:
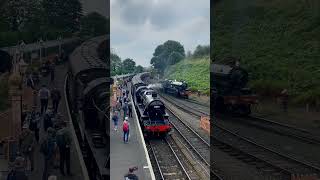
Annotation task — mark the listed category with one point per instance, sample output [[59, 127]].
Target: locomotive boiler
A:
[[150, 109]]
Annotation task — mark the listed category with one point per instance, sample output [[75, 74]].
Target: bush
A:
[[195, 71], [268, 87], [311, 97]]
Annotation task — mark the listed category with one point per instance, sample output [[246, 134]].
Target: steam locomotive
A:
[[229, 91], [176, 88], [88, 92], [150, 109]]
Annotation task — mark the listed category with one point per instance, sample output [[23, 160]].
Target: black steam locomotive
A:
[[88, 92], [150, 109], [229, 91], [176, 88]]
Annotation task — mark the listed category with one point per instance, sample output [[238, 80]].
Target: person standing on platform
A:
[[125, 128], [26, 142], [55, 96], [52, 72], [44, 95], [64, 143], [130, 175], [125, 109], [30, 82], [115, 119], [130, 109], [47, 148], [47, 121], [17, 173], [34, 124]]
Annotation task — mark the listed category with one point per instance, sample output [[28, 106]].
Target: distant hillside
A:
[[195, 72], [277, 41]]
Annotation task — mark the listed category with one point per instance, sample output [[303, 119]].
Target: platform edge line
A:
[[82, 164]]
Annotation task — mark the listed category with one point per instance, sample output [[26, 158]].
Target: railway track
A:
[[283, 129], [187, 108], [167, 160], [268, 161], [192, 140]]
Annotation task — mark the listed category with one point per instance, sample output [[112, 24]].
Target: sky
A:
[[139, 26]]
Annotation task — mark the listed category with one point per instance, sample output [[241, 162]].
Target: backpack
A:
[[125, 127]]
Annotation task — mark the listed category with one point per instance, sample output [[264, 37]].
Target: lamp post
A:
[[22, 67], [59, 38], [41, 46], [21, 47]]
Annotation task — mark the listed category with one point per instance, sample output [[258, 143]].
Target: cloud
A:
[[139, 26]]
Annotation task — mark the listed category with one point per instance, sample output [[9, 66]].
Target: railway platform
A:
[[126, 155], [77, 165]]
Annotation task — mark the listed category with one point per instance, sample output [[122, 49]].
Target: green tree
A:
[[19, 13], [128, 66], [63, 14], [168, 53], [201, 51], [116, 65], [94, 24], [139, 69]]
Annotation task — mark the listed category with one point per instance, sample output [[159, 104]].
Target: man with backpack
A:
[[47, 148], [55, 97], [64, 143], [125, 128]]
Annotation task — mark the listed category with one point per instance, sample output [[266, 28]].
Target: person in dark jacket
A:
[[17, 173], [64, 143], [55, 97], [47, 148], [130, 108], [52, 72], [130, 175], [27, 142], [44, 95]]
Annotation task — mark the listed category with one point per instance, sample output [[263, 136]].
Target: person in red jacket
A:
[[125, 128]]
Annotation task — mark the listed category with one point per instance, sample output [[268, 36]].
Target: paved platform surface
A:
[[123, 156], [76, 169]]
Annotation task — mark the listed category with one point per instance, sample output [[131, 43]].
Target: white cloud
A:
[[138, 26]]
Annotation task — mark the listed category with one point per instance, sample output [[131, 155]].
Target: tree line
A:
[[171, 52], [30, 20], [125, 66]]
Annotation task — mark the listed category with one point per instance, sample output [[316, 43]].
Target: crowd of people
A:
[[54, 141], [123, 110]]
